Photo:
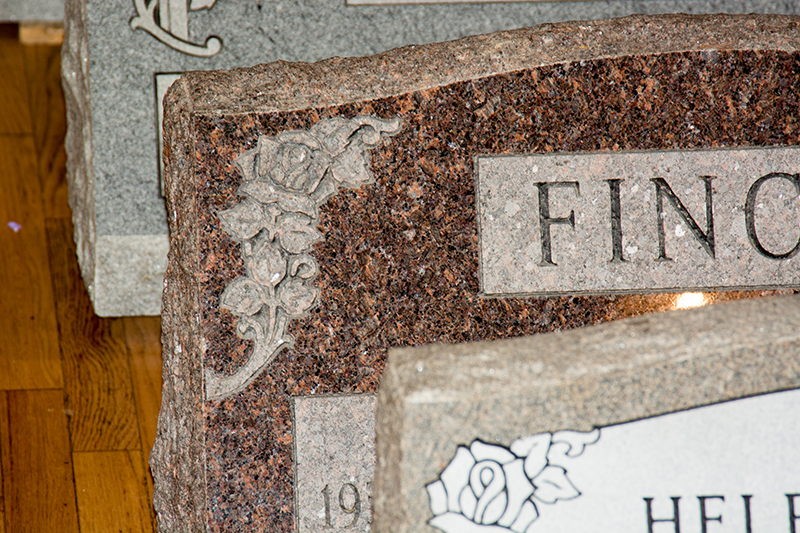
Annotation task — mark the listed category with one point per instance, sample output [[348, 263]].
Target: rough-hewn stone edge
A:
[[178, 457], [80, 173], [281, 85], [581, 379]]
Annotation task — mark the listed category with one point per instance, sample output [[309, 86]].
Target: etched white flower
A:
[[493, 489]]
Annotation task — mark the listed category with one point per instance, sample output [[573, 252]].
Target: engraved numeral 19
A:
[[354, 509]]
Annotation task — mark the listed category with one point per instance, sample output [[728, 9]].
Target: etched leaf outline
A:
[[489, 488], [285, 180]]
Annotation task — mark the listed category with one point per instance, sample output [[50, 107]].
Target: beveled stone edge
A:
[[285, 86], [677, 351]]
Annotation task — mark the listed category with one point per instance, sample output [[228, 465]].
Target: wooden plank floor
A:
[[79, 394]]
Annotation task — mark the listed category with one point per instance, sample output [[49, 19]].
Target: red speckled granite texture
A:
[[398, 266]]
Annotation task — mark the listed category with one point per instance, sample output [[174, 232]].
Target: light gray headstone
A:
[[115, 52], [31, 10], [555, 433]]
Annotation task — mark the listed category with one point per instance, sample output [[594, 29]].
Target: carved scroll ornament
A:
[[168, 21], [285, 180]]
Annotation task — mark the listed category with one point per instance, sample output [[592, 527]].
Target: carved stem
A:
[[219, 386]]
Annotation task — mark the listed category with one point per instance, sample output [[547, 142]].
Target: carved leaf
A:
[[246, 163], [372, 128], [303, 266], [267, 265], [267, 151], [243, 221], [576, 440], [350, 168], [325, 190], [534, 450], [552, 485], [296, 297], [297, 233], [266, 193], [335, 133], [243, 297]]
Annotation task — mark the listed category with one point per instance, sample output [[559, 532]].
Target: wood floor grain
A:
[[97, 377], [3, 461], [49, 125], [111, 492], [15, 116], [79, 395], [143, 339], [39, 486], [29, 351]]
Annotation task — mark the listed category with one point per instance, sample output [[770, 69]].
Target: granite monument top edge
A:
[[287, 86], [556, 358]]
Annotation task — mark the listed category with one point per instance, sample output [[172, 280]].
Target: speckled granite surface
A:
[[398, 263]]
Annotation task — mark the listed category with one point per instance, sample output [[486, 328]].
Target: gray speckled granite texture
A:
[[112, 139], [698, 252], [31, 10], [225, 464], [435, 397]]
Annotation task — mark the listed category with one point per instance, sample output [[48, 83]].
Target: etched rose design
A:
[[484, 486], [285, 179], [293, 160], [489, 488]]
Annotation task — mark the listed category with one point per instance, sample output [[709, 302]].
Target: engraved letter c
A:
[[750, 213]]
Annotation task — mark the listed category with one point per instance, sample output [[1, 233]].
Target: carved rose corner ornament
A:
[[285, 180], [493, 489]]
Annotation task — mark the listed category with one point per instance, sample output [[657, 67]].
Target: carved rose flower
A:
[[293, 160], [493, 489], [244, 297], [285, 179]]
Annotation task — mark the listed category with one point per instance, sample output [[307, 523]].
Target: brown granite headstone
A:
[[322, 213]]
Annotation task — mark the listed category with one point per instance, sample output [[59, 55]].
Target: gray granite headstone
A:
[[31, 10], [116, 51], [684, 421]]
